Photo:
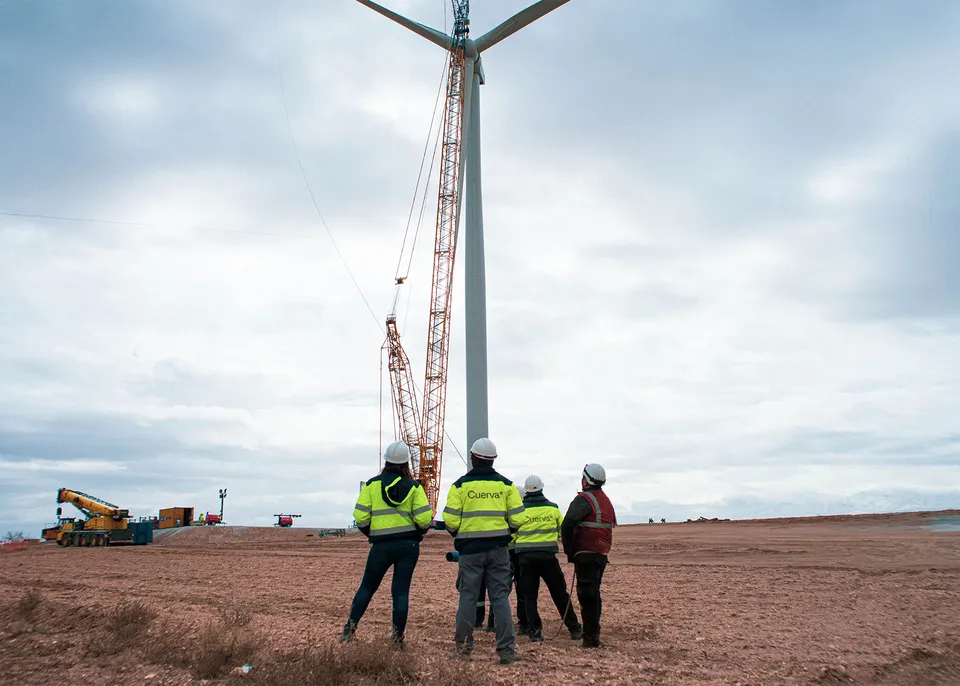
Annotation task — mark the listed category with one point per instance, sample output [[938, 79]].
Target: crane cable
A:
[[313, 198], [306, 182], [401, 277], [423, 202]]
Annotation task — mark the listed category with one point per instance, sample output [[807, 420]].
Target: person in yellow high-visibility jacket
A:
[[522, 628], [393, 512], [482, 512], [537, 550]]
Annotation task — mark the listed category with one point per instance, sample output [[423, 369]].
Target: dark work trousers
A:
[[522, 623], [533, 567], [589, 569], [402, 556]]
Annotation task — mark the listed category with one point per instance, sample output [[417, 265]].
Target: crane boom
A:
[[444, 253], [90, 506], [423, 429], [402, 388]]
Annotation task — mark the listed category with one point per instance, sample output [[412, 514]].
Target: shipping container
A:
[[173, 517]]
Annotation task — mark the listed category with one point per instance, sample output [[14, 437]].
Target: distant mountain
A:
[[800, 505]]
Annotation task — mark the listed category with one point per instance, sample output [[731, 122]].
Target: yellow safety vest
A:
[[542, 528], [391, 520], [483, 509]]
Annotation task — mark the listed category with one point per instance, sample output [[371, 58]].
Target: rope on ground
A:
[[563, 617]]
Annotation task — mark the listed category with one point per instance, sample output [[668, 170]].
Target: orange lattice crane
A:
[[424, 431]]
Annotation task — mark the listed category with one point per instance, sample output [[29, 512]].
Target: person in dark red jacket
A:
[[587, 534]]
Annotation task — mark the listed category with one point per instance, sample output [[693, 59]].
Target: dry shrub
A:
[[454, 673], [235, 616], [168, 646], [359, 664], [220, 651], [28, 603], [128, 620], [356, 663], [921, 666], [212, 653]]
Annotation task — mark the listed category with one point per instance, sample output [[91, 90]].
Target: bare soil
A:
[[856, 599]]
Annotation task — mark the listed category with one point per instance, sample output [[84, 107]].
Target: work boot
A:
[[576, 633], [349, 629], [397, 641], [523, 631], [592, 643], [462, 652], [508, 657]]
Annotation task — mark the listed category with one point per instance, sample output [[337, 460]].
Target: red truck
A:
[[285, 520]]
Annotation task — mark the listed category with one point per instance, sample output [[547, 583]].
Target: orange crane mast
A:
[[425, 433]]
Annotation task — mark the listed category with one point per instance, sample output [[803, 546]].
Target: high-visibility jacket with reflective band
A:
[[542, 528], [595, 533], [483, 509], [513, 535], [393, 507]]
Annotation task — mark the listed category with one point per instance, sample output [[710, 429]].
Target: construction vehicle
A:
[[285, 520], [103, 523], [212, 518]]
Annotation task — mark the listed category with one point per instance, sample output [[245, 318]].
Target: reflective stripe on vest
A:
[[596, 508], [487, 533], [595, 535], [482, 509], [541, 531], [480, 513], [385, 519]]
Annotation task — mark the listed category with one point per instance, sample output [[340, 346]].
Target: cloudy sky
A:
[[721, 248]]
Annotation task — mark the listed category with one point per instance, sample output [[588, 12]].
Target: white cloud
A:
[[124, 99]]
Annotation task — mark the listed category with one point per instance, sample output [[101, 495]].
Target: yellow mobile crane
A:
[[103, 524]]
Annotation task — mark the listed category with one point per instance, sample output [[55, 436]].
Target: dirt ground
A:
[[854, 599]]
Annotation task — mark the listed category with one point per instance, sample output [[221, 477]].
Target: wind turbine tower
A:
[[475, 310]]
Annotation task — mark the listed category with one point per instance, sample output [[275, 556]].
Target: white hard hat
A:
[[397, 452], [594, 474], [484, 447], [522, 490], [533, 484]]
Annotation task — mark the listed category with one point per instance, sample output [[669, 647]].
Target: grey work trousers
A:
[[492, 568]]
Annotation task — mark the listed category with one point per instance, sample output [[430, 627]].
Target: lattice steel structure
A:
[[444, 257], [403, 391], [460, 161]]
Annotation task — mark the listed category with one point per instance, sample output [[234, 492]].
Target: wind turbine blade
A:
[[517, 22], [432, 35]]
